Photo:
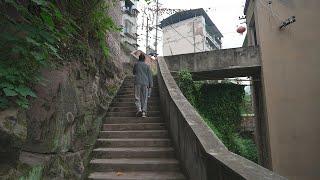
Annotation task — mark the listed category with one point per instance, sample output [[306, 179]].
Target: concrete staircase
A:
[[131, 148]]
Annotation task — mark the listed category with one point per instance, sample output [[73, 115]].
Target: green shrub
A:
[[28, 39], [100, 22], [220, 107], [42, 34], [187, 85], [221, 103], [246, 148]]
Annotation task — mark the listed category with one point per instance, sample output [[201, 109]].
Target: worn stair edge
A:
[[135, 134], [131, 94], [130, 164], [126, 104], [133, 152], [155, 88], [132, 114], [137, 175], [132, 108], [136, 142], [119, 120], [134, 126], [131, 91], [156, 94], [132, 99], [121, 94]]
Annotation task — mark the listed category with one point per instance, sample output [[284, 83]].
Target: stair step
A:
[[143, 164], [137, 175], [132, 102], [135, 134], [131, 78], [132, 82], [153, 94], [134, 142], [155, 86], [131, 95], [131, 91], [131, 86], [128, 81], [132, 108], [119, 120], [134, 148], [128, 104], [132, 99], [137, 152], [132, 114], [133, 126]]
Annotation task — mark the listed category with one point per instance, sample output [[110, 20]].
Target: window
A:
[[128, 5], [128, 26]]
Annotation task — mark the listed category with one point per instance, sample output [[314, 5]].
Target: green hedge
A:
[[220, 106]]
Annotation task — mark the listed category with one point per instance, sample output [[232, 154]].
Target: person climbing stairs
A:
[[134, 148]]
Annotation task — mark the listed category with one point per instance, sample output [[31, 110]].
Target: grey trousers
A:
[[141, 97]]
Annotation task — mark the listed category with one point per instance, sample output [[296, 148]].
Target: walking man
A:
[[142, 83]]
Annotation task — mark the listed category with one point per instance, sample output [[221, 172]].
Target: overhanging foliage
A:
[[220, 107], [39, 33]]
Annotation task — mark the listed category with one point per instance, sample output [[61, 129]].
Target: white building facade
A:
[[129, 36], [189, 32]]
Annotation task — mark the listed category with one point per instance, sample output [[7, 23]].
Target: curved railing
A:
[[201, 153]]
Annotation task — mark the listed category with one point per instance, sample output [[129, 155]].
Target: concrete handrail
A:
[[202, 155]]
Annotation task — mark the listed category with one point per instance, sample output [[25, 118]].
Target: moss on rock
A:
[[34, 173]]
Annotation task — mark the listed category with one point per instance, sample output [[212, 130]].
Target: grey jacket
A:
[[142, 73]]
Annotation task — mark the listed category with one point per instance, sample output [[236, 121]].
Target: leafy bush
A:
[[102, 23], [222, 101], [220, 107], [29, 37], [39, 33], [246, 148], [187, 86]]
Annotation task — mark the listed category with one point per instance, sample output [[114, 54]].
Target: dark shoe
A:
[[139, 113]]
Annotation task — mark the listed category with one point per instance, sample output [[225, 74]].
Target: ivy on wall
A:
[[39, 33], [220, 107]]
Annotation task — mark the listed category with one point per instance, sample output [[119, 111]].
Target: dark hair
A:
[[142, 57]]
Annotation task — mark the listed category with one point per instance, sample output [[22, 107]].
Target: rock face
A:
[[13, 133], [54, 137]]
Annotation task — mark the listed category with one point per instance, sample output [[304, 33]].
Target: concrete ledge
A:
[[224, 63], [202, 154]]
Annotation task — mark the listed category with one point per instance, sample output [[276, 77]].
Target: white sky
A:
[[224, 13]]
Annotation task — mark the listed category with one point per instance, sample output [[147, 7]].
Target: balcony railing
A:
[[213, 41], [130, 11]]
